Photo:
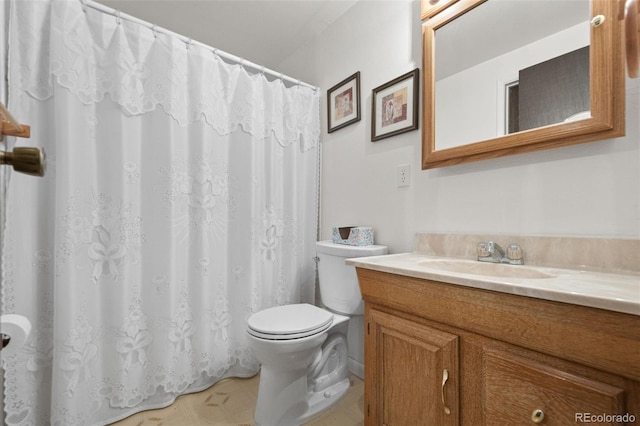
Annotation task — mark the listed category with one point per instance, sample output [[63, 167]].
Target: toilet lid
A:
[[289, 321]]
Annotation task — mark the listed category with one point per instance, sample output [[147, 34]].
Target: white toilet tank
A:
[[339, 288]]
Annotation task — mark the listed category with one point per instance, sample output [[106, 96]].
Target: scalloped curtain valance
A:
[[93, 54]]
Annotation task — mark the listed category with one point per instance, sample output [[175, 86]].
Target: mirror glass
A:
[[508, 66]]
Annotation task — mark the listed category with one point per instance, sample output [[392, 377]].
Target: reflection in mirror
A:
[[517, 65], [503, 77]]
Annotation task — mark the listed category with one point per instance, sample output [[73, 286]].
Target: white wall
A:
[[589, 189]]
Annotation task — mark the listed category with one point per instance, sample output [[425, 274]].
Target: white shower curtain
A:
[[180, 197]]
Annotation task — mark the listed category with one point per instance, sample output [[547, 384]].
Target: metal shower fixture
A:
[[27, 160]]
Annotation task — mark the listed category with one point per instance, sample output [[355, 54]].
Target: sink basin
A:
[[483, 268]]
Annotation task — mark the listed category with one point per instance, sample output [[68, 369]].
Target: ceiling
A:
[[261, 31]]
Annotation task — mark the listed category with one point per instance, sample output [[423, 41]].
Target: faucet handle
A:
[[514, 253], [482, 249]]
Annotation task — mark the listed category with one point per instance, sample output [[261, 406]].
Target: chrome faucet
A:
[[492, 252]]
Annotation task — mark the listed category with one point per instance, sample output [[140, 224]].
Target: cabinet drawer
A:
[[520, 391]]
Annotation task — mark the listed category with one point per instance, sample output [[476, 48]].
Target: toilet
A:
[[303, 348]]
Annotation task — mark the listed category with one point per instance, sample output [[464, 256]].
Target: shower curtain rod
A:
[[190, 42]]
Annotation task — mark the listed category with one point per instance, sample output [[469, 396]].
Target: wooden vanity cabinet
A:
[[510, 360]]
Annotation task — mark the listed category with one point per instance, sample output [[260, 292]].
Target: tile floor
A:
[[231, 403]]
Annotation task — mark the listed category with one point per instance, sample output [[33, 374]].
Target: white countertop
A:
[[610, 291]]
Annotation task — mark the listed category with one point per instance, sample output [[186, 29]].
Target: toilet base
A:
[[318, 403]]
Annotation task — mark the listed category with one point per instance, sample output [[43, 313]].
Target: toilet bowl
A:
[[303, 348]]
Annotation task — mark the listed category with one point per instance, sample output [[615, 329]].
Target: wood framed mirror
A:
[[471, 65]]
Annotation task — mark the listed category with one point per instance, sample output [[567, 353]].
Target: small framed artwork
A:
[[343, 103], [395, 106]]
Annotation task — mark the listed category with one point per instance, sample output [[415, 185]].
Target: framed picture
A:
[[343, 103], [395, 106]]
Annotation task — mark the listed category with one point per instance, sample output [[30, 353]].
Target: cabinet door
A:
[[520, 391], [411, 373]]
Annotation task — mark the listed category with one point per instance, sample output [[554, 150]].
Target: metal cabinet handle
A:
[[445, 377]]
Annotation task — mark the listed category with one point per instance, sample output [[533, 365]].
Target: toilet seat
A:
[[289, 322]]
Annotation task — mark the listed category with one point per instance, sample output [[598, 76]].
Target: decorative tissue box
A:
[[353, 235]]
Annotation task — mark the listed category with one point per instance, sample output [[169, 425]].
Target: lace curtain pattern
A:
[[180, 197]]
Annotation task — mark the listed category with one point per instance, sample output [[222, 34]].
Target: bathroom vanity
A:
[[449, 345]]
